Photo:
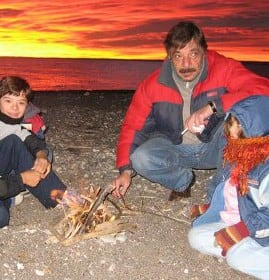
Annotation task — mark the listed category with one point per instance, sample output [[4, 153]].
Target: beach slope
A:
[[83, 131]]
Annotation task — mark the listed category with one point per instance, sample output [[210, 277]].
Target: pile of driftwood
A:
[[88, 216]]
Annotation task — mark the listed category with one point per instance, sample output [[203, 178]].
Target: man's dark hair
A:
[[182, 33], [15, 86]]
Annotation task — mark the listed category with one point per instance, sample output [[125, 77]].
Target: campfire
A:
[[89, 215]]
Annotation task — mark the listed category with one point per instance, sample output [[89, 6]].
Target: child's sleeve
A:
[[229, 236], [198, 209], [259, 221], [10, 186], [35, 144]]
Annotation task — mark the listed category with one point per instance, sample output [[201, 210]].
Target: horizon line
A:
[[119, 59]]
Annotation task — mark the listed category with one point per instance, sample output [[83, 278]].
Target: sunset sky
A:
[[129, 29]]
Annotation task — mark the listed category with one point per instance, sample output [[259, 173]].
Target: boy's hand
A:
[[42, 165], [31, 178]]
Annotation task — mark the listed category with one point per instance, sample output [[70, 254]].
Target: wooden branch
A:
[[99, 199], [106, 228]]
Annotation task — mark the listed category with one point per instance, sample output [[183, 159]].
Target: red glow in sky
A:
[[129, 29]]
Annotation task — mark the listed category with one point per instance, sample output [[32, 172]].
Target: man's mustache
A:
[[186, 70]]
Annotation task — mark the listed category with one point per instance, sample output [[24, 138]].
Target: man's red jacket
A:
[[156, 107]]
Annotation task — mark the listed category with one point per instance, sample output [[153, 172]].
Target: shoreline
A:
[[85, 91]]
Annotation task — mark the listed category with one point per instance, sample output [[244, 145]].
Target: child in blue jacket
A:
[[236, 223]]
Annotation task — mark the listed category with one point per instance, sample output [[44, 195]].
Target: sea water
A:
[[88, 74]]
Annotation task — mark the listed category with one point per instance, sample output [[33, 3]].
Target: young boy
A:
[[23, 156], [236, 223]]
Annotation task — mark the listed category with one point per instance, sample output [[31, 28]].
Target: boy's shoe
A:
[[16, 200], [25, 193]]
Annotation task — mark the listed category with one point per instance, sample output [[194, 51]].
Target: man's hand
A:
[[31, 178], [42, 165], [198, 118], [122, 183]]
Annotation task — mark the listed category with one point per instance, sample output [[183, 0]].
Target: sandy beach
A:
[[83, 131]]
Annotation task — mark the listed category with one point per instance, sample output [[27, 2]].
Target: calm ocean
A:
[[88, 74]]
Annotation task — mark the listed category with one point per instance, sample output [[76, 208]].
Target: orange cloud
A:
[[128, 30]]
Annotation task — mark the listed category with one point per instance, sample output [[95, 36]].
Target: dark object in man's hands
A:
[[213, 124]]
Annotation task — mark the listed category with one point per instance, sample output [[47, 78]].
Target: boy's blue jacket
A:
[[253, 115]]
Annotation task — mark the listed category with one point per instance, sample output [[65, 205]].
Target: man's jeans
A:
[[14, 156], [171, 165]]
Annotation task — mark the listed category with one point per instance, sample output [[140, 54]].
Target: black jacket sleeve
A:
[[212, 126], [34, 144], [10, 186]]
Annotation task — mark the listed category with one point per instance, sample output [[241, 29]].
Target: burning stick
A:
[[99, 199]]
